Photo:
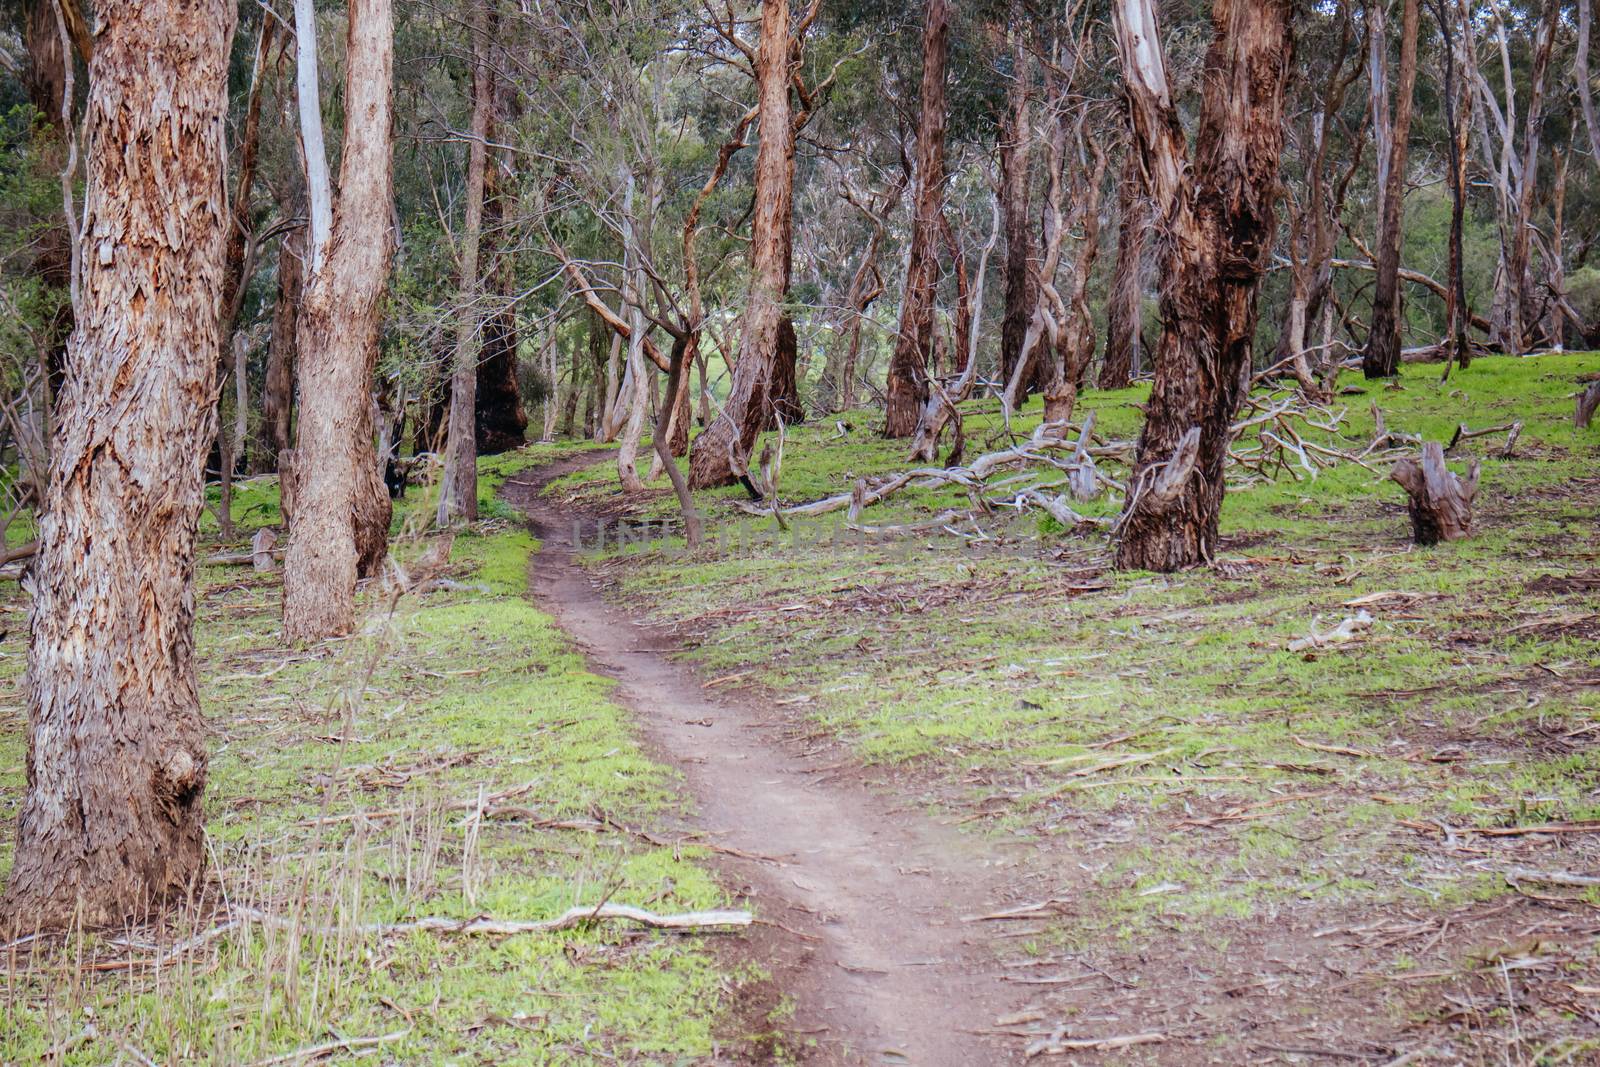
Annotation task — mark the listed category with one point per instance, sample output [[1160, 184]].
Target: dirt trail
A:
[[880, 966]]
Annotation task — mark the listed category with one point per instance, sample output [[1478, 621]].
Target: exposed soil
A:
[[865, 899], [895, 975]]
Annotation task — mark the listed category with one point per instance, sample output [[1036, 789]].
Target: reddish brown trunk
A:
[[913, 348], [1220, 230], [721, 454], [277, 393], [1015, 135], [111, 823], [1382, 357], [502, 423]]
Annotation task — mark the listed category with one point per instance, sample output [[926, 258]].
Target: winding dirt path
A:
[[867, 897]]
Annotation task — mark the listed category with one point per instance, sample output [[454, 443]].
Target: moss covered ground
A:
[[1333, 829], [345, 786]]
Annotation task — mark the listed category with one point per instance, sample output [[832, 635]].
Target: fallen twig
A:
[[343, 1044]]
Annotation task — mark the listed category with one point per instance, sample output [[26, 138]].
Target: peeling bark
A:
[[341, 519], [111, 823], [913, 348], [721, 454], [1220, 224]]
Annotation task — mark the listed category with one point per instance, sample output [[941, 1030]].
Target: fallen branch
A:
[[343, 1044], [574, 916], [1528, 874], [1591, 826], [1345, 631], [1056, 1045]]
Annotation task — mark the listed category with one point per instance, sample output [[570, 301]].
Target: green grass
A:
[[341, 790], [1038, 695]]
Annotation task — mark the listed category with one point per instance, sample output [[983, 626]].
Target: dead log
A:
[[1440, 500], [1588, 401]]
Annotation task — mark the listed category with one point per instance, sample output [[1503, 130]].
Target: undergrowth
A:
[[412, 770]]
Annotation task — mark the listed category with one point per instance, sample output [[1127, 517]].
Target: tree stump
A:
[[261, 546], [1588, 401], [1440, 500]]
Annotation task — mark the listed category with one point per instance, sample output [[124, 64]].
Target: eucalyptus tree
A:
[[111, 822], [338, 507], [1218, 212]]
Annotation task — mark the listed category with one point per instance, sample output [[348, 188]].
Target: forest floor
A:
[[1223, 836], [453, 759], [986, 798]]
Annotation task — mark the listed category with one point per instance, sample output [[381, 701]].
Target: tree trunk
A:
[[1075, 340], [1125, 316], [833, 391], [502, 424], [1021, 293], [1382, 356], [1455, 27], [1580, 69], [1518, 266], [111, 824], [47, 79], [1220, 228], [277, 393], [336, 533], [721, 454], [913, 347], [638, 213], [458, 489]]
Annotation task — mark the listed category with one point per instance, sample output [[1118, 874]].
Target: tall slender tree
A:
[[1125, 313], [111, 823], [1382, 356], [458, 492], [1220, 224], [338, 526], [1016, 139], [913, 346], [720, 455]]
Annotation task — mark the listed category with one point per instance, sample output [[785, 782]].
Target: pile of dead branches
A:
[[1280, 432]]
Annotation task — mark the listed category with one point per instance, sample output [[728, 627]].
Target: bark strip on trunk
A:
[[111, 822], [721, 454], [913, 347], [340, 523], [1220, 225]]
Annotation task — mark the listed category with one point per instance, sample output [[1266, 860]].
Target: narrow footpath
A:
[[862, 899]]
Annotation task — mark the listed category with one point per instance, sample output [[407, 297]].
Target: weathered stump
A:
[[1588, 401], [1440, 500], [261, 546]]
